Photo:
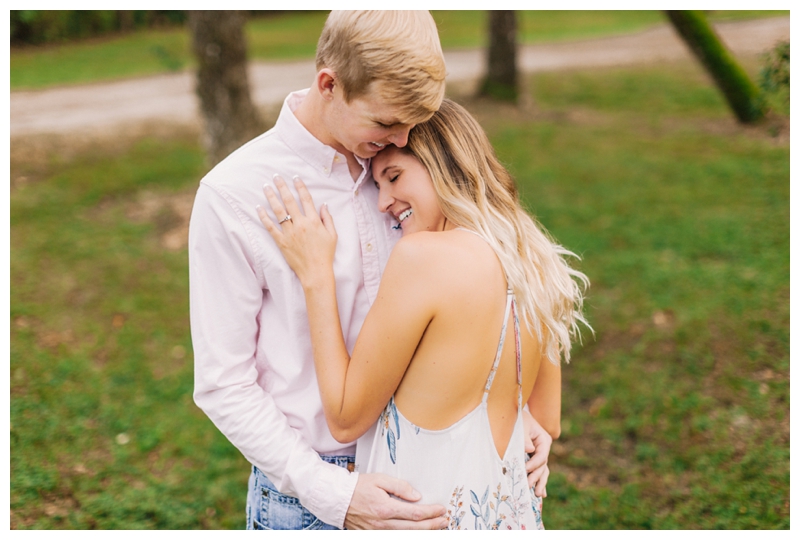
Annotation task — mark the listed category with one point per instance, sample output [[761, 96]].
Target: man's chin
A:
[[365, 155], [367, 150]]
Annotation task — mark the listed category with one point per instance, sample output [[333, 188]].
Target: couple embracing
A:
[[377, 323]]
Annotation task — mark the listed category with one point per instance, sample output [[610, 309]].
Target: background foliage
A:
[[161, 43]]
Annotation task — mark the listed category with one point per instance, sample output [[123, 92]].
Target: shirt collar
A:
[[310, 149]]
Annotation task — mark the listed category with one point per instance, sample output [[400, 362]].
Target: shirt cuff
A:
[[331, 494]]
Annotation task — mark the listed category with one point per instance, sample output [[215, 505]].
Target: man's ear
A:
[[326, 81]]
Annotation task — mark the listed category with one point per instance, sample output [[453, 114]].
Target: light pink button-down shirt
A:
[[254, 369]]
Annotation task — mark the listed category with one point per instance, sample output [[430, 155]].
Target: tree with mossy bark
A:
[[502, 78], [740, 93], [230, 117]]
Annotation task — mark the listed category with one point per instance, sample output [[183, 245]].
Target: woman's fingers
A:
[[275, 203], [305, 197], [286, 196], [327, 219], [272, 229]]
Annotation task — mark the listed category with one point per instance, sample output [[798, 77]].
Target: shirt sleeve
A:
[[225, 300]]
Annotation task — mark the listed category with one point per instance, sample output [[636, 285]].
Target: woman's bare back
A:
[[447, 374]]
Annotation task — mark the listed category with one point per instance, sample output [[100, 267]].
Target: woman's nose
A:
[[385, 200]]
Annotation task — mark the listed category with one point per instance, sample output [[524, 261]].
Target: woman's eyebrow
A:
[[383, 171]]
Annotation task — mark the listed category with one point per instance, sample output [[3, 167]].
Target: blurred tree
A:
[[501, 80], [742, 95], [222, 86], [126, 20]]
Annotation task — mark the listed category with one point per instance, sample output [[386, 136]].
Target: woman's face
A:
[[406, 191]]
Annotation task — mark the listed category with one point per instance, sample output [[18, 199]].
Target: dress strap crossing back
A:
[[498, 354], [511, 306], [518, 350]]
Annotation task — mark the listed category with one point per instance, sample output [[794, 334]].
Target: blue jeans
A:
[[269, 509]]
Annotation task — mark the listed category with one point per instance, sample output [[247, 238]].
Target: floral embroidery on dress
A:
[[536, 506], [487, 511], [391, 436], [455, 514], [516, 479]]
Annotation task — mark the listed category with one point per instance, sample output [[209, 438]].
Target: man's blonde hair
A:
[[396, 51]]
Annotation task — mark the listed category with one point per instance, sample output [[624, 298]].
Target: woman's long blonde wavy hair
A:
[[476, 192]]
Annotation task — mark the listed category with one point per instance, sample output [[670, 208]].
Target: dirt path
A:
[[170, 98]]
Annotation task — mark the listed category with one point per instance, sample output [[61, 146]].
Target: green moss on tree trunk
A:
[[741, 94]]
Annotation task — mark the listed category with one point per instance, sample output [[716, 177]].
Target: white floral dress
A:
[[459, 467]]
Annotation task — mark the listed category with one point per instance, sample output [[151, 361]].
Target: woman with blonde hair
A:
[[471, 269]]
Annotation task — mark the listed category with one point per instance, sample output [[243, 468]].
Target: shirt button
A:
[[369, 247], [336, 158], [356, 193], [325, 170]]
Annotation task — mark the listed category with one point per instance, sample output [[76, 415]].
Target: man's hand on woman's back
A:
[[537, 443], [376, 504]]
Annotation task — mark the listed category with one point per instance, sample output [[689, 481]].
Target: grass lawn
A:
[[676, 414], [293, 36]]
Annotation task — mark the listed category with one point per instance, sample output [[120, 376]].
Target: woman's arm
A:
[[356, 389], [353, 390], [545, 401]]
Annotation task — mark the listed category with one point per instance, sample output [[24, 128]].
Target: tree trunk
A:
[[742, 95], [219, 46], [501, 76], [126, 21]]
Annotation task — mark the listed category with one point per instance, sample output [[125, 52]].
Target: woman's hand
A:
[[306, 239]]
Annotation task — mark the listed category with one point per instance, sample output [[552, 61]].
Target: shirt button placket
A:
[[371, 266]]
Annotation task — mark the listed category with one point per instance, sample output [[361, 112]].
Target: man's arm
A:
[[543, 423], [225, 299]]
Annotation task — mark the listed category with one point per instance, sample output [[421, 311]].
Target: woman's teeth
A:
[[401, 218], [379, 145]]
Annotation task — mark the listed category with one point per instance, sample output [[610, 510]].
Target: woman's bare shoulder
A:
[[457, 254], [440, 246]]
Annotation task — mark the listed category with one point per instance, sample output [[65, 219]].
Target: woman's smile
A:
[[405, 190]]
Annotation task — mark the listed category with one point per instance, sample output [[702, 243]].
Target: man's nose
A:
[[400, 137]]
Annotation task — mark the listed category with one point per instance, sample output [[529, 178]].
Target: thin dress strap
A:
[[518, 350], [490, 379], [511, 304]]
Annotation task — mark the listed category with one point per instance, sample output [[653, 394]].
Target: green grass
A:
[[293, 36], [676, 414], [101, 347]]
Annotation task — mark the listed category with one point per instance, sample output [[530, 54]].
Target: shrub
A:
[[774, 78]]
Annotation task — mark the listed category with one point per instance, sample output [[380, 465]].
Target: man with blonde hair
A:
[[378, 74]]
